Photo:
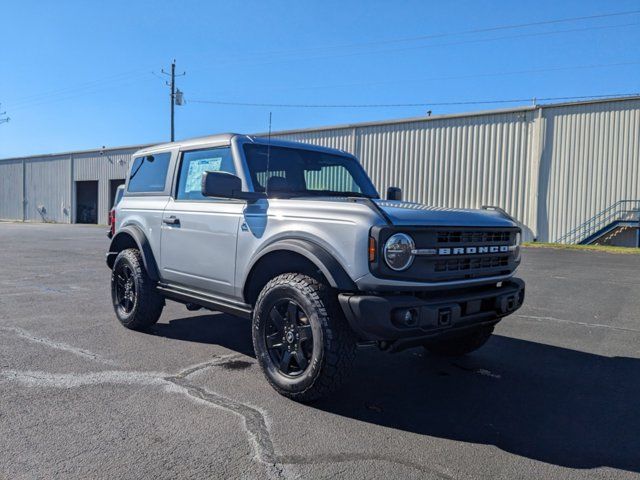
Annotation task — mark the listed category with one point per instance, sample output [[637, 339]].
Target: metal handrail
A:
[[600, 220]]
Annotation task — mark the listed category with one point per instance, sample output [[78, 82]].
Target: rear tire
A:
[[301, 339], [458, 346], [137, 304]]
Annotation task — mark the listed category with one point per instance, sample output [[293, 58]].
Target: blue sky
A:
[[78, 74]]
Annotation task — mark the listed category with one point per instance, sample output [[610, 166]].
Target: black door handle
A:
[[171, 220]]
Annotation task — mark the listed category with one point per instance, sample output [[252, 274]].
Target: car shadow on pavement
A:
[[213, 328], [551, 404]]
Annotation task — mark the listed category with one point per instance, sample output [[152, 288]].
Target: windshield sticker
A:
[[197, 168]]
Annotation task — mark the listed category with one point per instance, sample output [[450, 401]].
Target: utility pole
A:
[[175, 96]]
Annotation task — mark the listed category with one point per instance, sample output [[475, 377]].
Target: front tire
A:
[[301, 338], [135, 301], [459, 346]]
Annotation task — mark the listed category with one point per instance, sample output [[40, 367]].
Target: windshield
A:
[[299, 172]]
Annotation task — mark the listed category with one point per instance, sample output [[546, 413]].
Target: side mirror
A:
[[394, 193], [226, 185]]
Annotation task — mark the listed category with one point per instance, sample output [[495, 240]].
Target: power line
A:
[[3, 119], [87, 87], [439, 35], [448, 34], [558, 68], [36, 98], [432, 45], [416, 104]]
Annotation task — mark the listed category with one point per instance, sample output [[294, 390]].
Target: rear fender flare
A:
[[121, 240]]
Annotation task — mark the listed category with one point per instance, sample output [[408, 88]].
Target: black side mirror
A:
[[226, 185], [394, 193]]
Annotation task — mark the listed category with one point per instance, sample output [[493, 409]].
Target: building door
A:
[[87, 202], [113, 186]]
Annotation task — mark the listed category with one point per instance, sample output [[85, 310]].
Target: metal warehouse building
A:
[[568, 172]]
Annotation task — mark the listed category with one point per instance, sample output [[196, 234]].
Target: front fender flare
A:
[[333, 271], [120, 242]]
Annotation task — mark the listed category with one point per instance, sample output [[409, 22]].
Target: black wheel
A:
[[135, 301], [302, 341], [458, 346]]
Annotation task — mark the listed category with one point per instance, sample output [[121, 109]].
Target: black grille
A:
[[462, 236], [461, 264]]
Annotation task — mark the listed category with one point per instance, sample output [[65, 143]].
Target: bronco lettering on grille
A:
[[473, 250], [462, 250]]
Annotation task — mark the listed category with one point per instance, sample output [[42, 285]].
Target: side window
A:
[[149, 173], [195, 163]]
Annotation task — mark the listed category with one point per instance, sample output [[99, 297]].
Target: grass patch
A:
[[594, 248]]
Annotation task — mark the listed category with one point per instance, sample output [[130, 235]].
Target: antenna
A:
[[268, 156]]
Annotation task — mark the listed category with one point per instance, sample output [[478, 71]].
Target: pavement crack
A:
[[253, 421], [480, 371], [26, 335], [575, 322], [216, 361]]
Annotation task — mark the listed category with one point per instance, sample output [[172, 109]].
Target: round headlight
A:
[[398, 251]]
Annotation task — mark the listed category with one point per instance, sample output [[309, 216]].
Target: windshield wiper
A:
[[335, 193], [319, 193]]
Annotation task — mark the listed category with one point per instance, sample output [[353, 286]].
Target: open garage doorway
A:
[[87, 202], [113, 187]]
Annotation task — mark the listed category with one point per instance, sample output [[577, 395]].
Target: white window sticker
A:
[[197, 168]]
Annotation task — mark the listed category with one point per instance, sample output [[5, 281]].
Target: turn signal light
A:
[[372, 249]]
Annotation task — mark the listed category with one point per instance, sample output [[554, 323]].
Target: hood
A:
[[406, 213]]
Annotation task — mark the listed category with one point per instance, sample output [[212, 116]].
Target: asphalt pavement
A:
[[554, 394]]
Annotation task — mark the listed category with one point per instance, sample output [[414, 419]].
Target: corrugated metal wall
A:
[[340, 138], [48, 190], [451, 162], [551, 167], [590, 160], [49, 194], [11, 184], [111, 165]]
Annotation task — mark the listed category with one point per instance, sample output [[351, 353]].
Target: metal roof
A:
[[214, 138]]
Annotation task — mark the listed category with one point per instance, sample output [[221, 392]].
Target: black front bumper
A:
[[445, 313]]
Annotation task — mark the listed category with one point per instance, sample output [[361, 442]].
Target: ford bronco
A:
[[296, 238]]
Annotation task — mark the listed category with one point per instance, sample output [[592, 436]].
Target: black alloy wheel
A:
[[289, 338], [125, 285], [302, 341], [135, 300]]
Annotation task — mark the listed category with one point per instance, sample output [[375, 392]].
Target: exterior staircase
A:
[[609, 238], [607, 224]]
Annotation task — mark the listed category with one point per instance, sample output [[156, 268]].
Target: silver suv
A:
[[296, 238]]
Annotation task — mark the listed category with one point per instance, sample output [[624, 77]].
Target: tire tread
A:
[[149, 303], [339, 339]]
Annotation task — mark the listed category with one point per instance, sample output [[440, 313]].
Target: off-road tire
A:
[[147, 304], [459, 346], [334, 343]]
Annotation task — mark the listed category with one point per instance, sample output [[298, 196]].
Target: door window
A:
[[194, 164]]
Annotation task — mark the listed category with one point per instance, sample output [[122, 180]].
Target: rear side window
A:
[[149, 173], [195, 163]]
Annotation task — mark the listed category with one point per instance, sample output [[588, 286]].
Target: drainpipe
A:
[[24, 190]]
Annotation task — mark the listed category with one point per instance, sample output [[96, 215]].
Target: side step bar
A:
[[211, 302]]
